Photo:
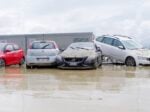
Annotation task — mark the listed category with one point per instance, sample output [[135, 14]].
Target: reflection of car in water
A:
[[11, 54], [123, 49], [41, 53], [80, 54]]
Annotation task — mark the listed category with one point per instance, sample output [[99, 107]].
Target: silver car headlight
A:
[[142, 58]]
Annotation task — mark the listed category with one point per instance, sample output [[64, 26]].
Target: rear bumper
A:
[[41, 60]]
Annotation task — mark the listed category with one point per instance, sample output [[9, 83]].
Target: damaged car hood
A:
[[78, 53]]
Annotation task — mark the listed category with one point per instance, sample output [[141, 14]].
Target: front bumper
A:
[[84, 64], [41, 60], [144, 61]]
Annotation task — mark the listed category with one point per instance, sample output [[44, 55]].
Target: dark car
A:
[[80, 55], [11, 54]]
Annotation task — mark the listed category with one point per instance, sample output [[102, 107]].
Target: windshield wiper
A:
[[45, 46]]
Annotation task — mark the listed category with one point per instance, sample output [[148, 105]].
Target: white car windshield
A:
[[86, 46], [43, 45], [130, 44]]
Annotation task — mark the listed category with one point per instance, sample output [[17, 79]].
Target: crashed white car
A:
[[123, 49], [80, 55], [41, 53]]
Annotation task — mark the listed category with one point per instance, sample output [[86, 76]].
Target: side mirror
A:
[[121, 47]]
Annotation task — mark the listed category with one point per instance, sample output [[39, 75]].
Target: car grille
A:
[[74, 59]]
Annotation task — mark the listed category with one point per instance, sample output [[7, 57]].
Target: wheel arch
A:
[[4, 60], [136, 63]]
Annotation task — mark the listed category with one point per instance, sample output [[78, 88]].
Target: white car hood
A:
[[78, 53], [142, 52]]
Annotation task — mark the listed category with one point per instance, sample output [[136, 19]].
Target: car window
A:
[[107, 40], [117, 43], [16, 47], [99, 39], [131, 44], [2, 46], [9, 47], [43, 45]]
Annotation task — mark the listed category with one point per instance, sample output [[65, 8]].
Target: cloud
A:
[[130, 17]]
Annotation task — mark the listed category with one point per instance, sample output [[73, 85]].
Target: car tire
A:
[[130, 61], [22, 61], [28, 67], [2, 63]]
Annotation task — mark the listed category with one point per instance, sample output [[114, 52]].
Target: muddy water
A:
[[107, 89]]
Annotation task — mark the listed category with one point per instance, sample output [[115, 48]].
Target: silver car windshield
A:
[[43, 45], [130, 44], [86, 46]]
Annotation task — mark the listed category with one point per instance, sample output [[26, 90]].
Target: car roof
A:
[[83, 43], [43, 41]]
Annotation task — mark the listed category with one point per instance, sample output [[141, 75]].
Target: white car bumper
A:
[[144, 61], [40, 60]]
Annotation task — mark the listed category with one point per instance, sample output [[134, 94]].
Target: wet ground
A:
[[107, 89]]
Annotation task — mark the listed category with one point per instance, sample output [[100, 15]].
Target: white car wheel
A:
[[130, 61]]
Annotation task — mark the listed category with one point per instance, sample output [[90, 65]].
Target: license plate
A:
[[73, 64], [43, 59]]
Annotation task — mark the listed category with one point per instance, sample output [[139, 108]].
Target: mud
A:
[[107, 89]]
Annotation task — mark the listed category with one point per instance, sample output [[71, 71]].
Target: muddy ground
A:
[[107, 89]]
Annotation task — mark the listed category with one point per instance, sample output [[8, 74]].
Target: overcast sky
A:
[[126, 17]]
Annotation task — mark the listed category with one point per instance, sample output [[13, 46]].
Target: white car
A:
[[123, 49], [41, 53]]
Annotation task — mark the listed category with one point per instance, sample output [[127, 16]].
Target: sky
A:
[[125, 17]]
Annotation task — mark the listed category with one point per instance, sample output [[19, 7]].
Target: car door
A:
[[106, 46], [118, 49], [17, 54], [9, 54]]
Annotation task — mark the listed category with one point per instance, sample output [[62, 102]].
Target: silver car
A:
[[41, 53], [123, 49], [80, 55]]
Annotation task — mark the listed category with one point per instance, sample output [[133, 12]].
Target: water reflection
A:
[[107, 78], [39, 90]]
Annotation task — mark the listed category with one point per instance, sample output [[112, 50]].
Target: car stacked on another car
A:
[[123, 49], [80, 55], [42, 53], [11, 54]]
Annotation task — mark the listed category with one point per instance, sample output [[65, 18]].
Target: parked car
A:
[[123, 49], [42, 53], [80, 55], [11, 54]]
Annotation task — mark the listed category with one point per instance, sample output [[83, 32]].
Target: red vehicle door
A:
[[18, 54], [9, 54]]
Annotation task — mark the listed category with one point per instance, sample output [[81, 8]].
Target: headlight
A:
[[142, 58]]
